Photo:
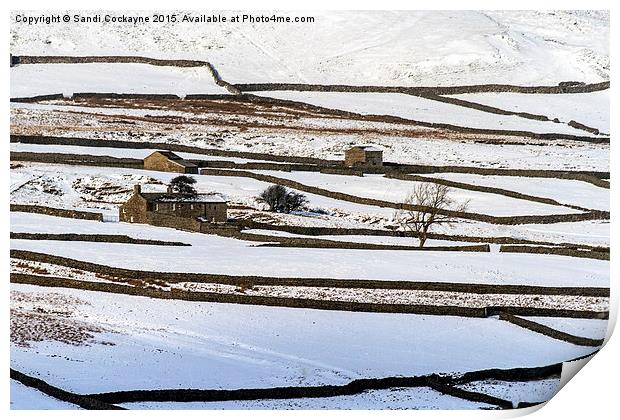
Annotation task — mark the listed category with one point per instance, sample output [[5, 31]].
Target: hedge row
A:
[[239, 280], [52, 211], [551, 332], [123, 239]]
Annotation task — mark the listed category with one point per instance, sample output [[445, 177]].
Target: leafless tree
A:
[[427, 203]]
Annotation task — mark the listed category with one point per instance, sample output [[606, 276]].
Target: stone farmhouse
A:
[[174, 210], [363, 156], [162, 160]]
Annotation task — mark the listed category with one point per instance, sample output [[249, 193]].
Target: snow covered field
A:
[[218, 255], [26, 398], [159, 344], [87, 342], [392, 399], [119, 153], [396, 190], [45, 79], [421, 109], [422, 146], [411, 48], [590, 328], [591, 109], [565, 191]]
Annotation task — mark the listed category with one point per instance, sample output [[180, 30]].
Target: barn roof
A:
[[176, 158], [368, 148], [179, 198]]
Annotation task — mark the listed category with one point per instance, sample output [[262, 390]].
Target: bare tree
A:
[[426, 208]]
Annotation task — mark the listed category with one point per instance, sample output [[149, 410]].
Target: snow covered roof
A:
[[369, 148], [175, 198]]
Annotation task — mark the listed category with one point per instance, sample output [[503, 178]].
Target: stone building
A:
[[363, 156], [149, 207], [167, 161]]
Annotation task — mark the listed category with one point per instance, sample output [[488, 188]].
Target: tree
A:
[[426, 207], [281, 200], [183, 185]]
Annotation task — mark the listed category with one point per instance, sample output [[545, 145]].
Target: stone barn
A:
[[145, 207], [363, 156], [167, 161]]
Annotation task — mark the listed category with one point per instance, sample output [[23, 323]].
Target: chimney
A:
[[137, 189], [170, 190]]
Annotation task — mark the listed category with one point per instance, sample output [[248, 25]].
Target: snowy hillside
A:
[[413, 48]]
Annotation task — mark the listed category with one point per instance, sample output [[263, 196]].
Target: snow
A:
[[26, 398], [411, 48], [220, 255], [396, 190], [421, 109], [118, 152], [421, 398], [156, 344], [591, 109], [381, 240], [589, 328], [423, 148], [532, 392], [565, 191], [44, 79]]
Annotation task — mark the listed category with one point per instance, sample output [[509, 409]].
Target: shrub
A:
[[281, 200]]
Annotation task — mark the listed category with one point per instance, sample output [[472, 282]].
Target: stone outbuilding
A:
[[162, 160], [149, 207], [363, 156]]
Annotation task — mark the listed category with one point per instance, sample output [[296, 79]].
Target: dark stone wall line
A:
[[83, 401], [571, 252], [120, 59], [593, 177], [329, 111], [550, 332], [52, 211], [427, 90], [442, 382], [122, 239], [320, 231], [500, 220], [482, 188], [240, 280]]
